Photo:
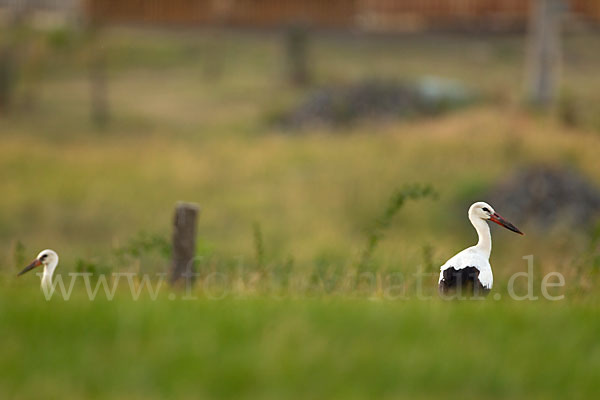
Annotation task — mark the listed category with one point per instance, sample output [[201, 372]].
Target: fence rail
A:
[[386, 15]]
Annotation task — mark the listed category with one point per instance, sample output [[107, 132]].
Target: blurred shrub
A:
[[63, 38], [93, 267], [144, 243], [18, 255], [568, 110], [376, 99], [399, 197], [547, 196]]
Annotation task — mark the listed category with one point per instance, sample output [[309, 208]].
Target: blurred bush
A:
[[377, 99], [547, 196]]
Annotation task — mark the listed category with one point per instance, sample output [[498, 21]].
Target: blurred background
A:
[[294, 125], [298, 120]]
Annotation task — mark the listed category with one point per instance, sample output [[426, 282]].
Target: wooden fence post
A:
[[100, 109], [296, 43], [184, 242], [544, 51], [17, 13]]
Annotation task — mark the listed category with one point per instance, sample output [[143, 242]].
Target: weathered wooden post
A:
[[98, 80], [184, 242], [7, 77], [9, 52], [544, 51], [297, 54]]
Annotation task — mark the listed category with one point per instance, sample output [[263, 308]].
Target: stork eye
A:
[[44, 256], [486, 210]]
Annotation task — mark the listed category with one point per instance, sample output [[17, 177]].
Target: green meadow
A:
[[283, 306], [304, 348]]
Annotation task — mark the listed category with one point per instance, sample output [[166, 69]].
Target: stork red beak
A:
[[34, 263], [501, 221]]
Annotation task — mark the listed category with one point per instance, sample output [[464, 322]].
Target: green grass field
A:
[[288, 205], [315, 348]]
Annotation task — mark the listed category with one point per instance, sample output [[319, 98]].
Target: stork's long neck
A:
[[484, 244], [47, 276]]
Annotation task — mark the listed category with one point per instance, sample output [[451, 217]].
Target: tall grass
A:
[[409, 192]]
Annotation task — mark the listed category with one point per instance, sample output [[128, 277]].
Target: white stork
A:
[[471, 267], [49, 259]]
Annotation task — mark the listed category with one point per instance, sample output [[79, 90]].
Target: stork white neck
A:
[[47, 275], [484, 244]]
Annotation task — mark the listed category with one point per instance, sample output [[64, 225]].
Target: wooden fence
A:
[[378, 15]]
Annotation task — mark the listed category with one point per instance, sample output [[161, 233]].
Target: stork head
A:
[[484, 211], [48, 258]]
